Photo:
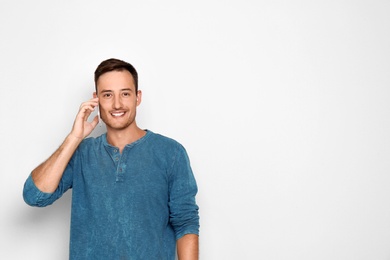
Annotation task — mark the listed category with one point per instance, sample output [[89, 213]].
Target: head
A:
[[116, 84], [115, 65]]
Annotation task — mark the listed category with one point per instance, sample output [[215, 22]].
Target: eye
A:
[[126, 94], [107, 95]]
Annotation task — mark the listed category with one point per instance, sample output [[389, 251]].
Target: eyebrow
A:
[[127, 89], [124, 89]]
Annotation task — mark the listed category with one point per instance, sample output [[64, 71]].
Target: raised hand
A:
[[81, 127]]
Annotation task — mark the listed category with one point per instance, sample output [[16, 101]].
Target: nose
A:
[[117, 102]]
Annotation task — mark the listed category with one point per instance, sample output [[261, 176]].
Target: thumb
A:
[[89, 126], [95, 121]]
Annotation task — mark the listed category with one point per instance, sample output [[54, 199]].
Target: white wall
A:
[[283, 107]]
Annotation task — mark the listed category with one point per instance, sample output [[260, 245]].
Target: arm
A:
[[48, 175], [188, 247], [184, 215]]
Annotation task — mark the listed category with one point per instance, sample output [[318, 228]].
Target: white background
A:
[[283, 107]]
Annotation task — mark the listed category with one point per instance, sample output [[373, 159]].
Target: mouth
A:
[[117, 114]]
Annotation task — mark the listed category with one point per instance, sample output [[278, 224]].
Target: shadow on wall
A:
[[52, 221], [99, 130]]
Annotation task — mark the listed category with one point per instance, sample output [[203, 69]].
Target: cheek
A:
[[132, 103], [103, 108]]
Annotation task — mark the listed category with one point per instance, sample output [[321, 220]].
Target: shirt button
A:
[[116, 159], [115, 150]]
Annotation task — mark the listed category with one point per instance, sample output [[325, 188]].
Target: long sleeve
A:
[[35, 197], [184, 215]]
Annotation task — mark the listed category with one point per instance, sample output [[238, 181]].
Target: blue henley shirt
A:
[[133, 205]]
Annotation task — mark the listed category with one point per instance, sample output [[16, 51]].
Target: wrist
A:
[[74, 139]]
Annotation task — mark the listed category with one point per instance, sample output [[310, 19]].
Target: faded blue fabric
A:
[[133, 205]]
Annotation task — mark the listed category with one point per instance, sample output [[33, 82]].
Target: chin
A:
[[118, 126]]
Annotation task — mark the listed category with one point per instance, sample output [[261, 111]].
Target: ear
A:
[[139, 97], [94, 95]]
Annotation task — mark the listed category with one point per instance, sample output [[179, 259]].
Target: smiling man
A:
[[133, 190]]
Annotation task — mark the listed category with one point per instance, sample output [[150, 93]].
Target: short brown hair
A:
[[116, 65]]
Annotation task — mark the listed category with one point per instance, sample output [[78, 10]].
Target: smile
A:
[[117, 114]]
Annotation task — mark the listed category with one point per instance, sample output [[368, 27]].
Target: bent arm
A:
[[47, 176], [188, 247]]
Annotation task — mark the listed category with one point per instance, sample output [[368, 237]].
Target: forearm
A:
[[48, 175], [188, 247]]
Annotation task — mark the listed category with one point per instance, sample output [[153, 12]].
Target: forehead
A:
[[114, 80]]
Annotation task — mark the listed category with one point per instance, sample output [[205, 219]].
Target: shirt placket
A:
[[117, 157]]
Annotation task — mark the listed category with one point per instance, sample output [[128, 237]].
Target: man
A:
[[133, 190]]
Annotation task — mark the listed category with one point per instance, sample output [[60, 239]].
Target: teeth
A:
[[117, 114]]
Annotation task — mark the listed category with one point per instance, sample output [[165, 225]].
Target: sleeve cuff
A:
[[33, 196]]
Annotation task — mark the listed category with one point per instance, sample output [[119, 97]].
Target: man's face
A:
[[117, 99]]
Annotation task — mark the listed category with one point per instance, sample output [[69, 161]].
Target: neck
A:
[[121, 138]]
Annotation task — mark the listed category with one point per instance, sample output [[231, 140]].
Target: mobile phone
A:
[[98, 113]]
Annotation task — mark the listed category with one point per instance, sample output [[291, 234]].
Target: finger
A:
[[88, 106], [93, 124], [85, 111], [91, 104], [95, 121], [83, 114]]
